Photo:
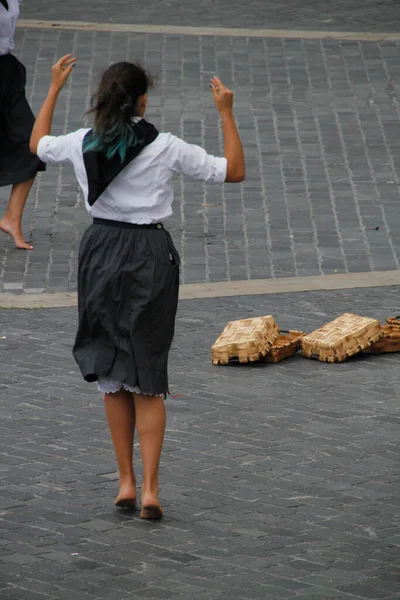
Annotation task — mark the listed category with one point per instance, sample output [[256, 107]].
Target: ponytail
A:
[[114, 105]]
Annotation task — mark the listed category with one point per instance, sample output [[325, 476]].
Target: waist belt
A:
[[125, 224]]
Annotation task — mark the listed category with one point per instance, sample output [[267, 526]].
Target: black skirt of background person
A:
[[17, 163], [128, 281]]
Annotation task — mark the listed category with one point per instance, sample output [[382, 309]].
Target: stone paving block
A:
[[20, 593]]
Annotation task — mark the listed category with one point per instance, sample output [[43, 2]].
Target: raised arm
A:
[[233, 149], [59, 75]]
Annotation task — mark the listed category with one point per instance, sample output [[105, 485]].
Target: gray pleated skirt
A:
[[128, 281]]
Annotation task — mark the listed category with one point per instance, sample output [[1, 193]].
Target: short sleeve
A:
[[194, 162], [58, 149]]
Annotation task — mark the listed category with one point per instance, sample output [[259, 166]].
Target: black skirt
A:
[[128, 281], [17, 163]]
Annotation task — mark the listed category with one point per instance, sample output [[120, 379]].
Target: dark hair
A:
[[114, 105]]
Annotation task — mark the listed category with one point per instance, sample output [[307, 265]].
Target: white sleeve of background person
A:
[[194, 162]]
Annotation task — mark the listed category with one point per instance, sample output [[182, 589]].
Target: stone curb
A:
[[227, 289], [367, 36]]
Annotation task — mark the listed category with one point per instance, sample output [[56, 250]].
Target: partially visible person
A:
[[128, 275], [18, 166]]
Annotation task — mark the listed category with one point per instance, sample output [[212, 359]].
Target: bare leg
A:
[[11, 222], [120, 411], [150, 423]]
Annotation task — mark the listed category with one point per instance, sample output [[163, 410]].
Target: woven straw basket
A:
[[394, 322], [391, 338], [287, 344], [246, 340], [345, 336]]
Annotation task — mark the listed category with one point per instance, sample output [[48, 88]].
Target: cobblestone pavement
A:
[[320, 124], [358, 15], [278, 481]]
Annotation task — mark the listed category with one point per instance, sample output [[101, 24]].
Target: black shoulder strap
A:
[[101, 171], [4, 3]]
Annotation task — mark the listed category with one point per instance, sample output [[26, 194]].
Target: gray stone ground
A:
[[358, 15], [278, 481], [321, 130]]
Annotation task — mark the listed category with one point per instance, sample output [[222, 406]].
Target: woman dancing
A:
[[18, 166], [128, 274]]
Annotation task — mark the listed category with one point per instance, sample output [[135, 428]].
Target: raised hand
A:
[[59, 75], [223, 97], [61, 71]]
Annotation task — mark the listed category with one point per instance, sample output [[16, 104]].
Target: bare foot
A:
[[126, 496], [16, 234], [151, 508]]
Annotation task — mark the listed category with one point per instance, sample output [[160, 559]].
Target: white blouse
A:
[[8, 22], [142, 192]]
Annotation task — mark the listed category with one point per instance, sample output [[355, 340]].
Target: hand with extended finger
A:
[[223, 97], [61, 71]]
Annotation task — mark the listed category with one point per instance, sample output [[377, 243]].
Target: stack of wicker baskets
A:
[[250, 340], [246, 340], [345, 336], [390, 342], [287, 344]]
